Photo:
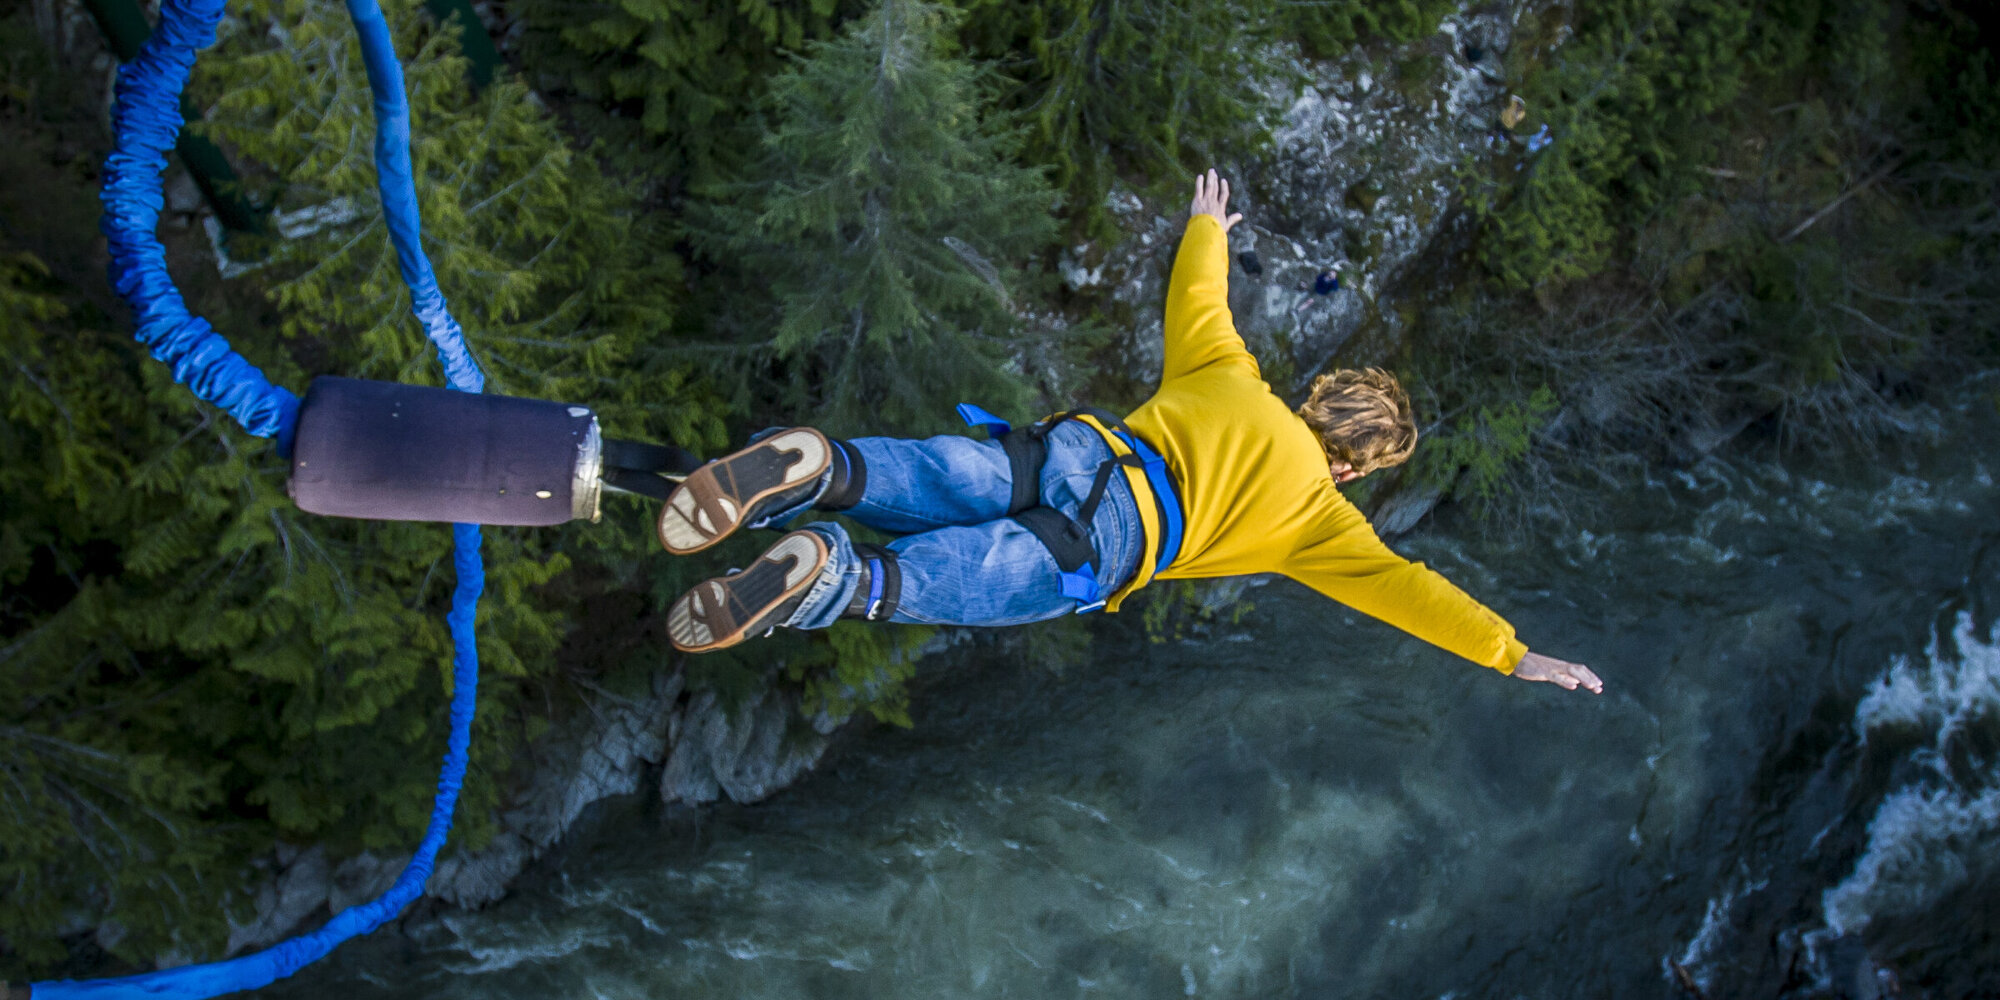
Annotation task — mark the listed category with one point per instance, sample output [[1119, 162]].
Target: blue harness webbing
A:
[[1162, 482], [146, 120], [1067, 540]]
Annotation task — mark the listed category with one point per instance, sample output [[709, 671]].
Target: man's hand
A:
[[1536, 667], [1211, 197]]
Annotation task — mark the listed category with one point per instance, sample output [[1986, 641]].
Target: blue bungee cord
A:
[[146, 121]]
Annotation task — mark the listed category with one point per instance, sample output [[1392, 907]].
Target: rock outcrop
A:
[[1359, 179], [746, 755], [606, 756]]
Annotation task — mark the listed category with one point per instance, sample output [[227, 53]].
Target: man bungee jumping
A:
[[1213, 476]]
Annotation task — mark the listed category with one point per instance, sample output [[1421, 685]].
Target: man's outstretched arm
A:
[[1352, 566], [1199, 330]]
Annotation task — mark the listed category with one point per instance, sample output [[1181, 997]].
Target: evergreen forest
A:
[[1756, 225]]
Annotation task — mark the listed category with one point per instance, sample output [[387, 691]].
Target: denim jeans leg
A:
[[995, 572], [916, 485], [837, 580], [939, 481]]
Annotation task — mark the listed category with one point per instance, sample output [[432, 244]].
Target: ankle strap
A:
[[881, 589], [848, 477]]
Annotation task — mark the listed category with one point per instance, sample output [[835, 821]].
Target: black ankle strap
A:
[[881, 589], [849, 477]]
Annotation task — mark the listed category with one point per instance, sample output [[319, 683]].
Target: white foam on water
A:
[[1714, 925], [1924, 836], [497, 949], [1918, 844], [1941, 694]]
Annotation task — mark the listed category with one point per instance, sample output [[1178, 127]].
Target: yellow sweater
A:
[[1255, 491]]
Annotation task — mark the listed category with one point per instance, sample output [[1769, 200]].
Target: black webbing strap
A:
[[878, 597], [1104, 472], [849, 478], [634, 481], [1028, 448], [1026, 451], [1102, 416], [642, 457], [1066, 540], [637, 467]]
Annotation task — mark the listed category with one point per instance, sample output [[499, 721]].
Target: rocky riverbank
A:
[[698, 750]]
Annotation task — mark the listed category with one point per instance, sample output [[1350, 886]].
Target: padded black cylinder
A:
[[392, 452]]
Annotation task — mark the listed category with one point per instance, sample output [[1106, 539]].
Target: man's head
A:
[[1363, 421]]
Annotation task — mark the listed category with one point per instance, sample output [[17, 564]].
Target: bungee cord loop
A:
[[146, 121]]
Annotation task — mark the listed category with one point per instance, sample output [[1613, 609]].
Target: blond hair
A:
[[1362, 418]]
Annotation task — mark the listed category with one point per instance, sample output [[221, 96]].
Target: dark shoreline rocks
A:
[[701, 750]]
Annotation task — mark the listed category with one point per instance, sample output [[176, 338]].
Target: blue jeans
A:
[[964, 562]]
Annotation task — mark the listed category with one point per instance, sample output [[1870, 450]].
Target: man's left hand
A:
[[1211, 198], [1536, 667]]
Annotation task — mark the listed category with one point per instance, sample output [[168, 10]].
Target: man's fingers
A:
[[1536, 667], [1211, 197], [1576, 675]]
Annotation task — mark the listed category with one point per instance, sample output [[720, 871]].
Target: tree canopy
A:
[[702, 218]]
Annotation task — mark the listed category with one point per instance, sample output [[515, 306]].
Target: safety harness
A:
[[1066, 538]]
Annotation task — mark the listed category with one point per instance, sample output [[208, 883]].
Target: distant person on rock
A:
[[1324, 283], [1213, 476]]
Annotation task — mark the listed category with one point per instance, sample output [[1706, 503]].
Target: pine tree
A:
[[94, 815], [879, 242], [1137, 89], [689, 72], [201, 668]]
